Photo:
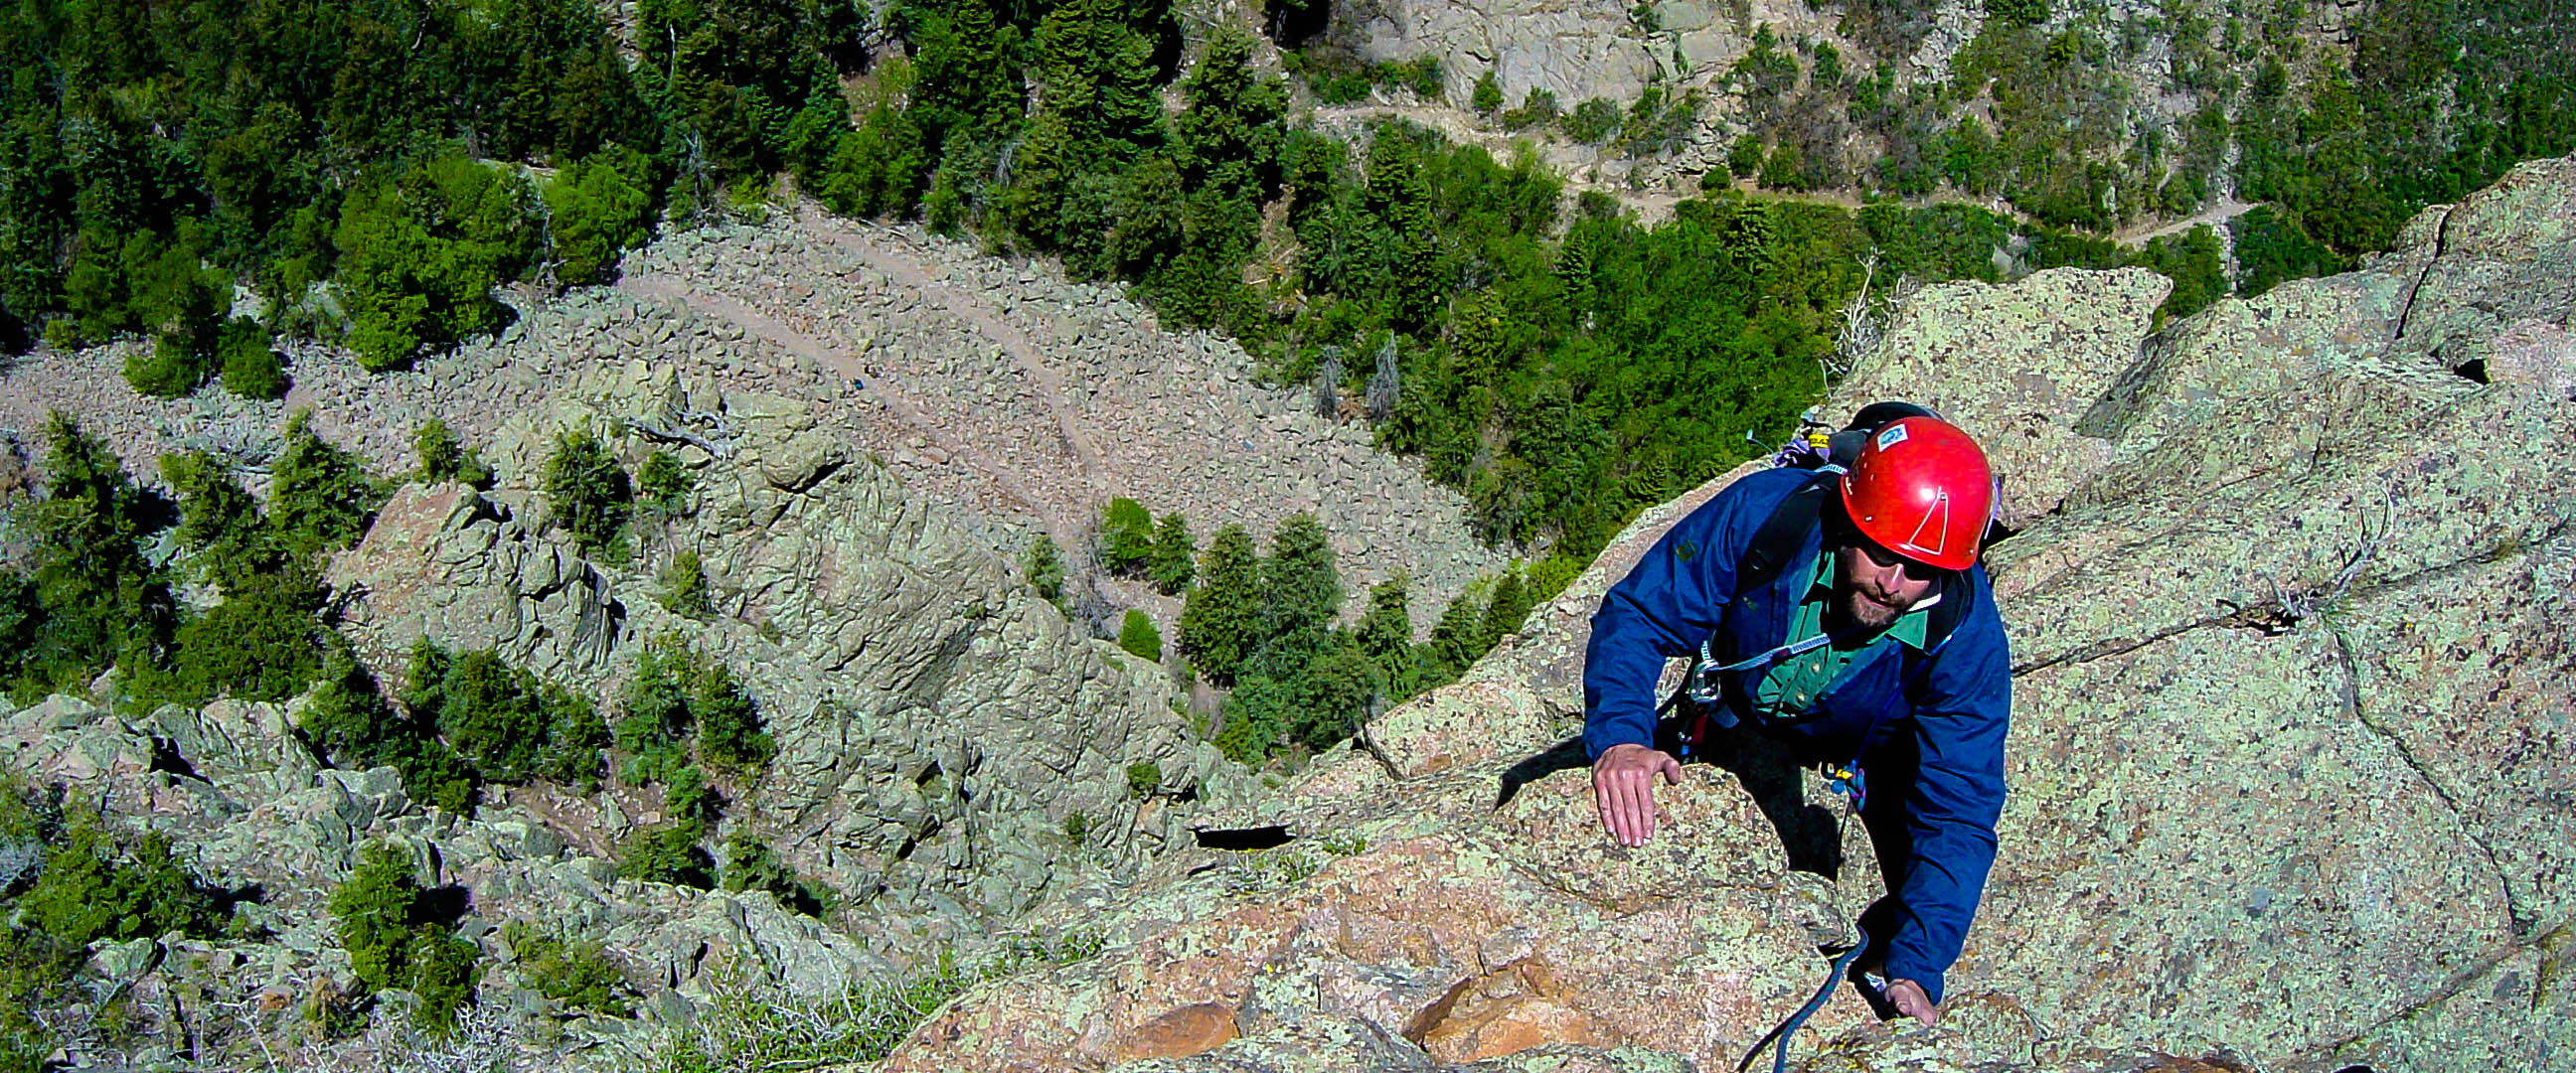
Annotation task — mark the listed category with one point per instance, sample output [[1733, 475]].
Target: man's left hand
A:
[[1910, 999]]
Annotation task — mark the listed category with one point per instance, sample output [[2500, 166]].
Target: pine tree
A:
[[587, 489], [1138, 635], [1304, 589], [320, 496], [1097, 71], [219, 522], [1234, 115], [1386, 636], [1127, 538], [1504, 612], [1453, 646], [97, 599], [729, 731], [1174, 563], [1221, 621], [1044, 566]]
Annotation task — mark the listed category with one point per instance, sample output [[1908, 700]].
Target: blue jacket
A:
[[1954, 702]]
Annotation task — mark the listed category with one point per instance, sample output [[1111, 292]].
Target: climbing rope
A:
[[1788, 1028]]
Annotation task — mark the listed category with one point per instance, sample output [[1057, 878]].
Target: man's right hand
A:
[[1623, 785]]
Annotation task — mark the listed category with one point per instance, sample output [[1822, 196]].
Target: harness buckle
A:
[[1847, 780]]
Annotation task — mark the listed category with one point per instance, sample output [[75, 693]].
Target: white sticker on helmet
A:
[[1891, 436]]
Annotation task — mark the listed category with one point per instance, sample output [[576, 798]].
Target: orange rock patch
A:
[[1180, 1033]]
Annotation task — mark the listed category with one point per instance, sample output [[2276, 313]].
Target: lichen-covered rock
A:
[[938, 724], [2020, 364], [2289, 771]]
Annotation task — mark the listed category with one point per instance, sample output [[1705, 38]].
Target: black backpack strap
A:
[[1784, 534], [1956, 593]]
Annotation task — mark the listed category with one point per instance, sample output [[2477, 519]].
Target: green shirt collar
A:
[[1910, 629]]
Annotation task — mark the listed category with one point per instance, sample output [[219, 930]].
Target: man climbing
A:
[[1844, 615]]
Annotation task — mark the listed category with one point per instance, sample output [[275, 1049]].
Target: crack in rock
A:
[[2406, 753], [2441, 241], [2274, 617]]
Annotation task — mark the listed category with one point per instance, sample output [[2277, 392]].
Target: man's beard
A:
[[1869, 615]]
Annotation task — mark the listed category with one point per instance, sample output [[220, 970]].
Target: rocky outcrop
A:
[[1018, 401], [2288, 608], [252, 812], [939, 725], [995, 385]]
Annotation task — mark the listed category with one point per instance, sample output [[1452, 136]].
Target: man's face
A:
[[1875, 586]]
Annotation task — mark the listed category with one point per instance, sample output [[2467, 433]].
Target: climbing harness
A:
[[1788, 1028]]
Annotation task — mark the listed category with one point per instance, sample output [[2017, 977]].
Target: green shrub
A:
[[1385, 636], [444, 458], [1421, 74], [684, 587], [345, 720], [1126, 538], [1301, 588], [586, 489], [1744, 155], [1144, 778], [1221, 620], [2018, 12], [1538, 109], [511, 725], [385, 922], [262, 643], [96, 600], [2272, 247], [1509, 604], [321, 497], [350, 726], [251, 367], [421, 251], [598, 208], [1043, 565], [38, 973], [1784, 169], [1175, 560], [689, 799], [574, 972], [1659, 121], [146, 282], [665, 485], [227, 539], [1488, 95], [1593, 121], [751, 865], [98, 884], [1138, 635], [654, 729], [169, 368], [1454, 642], [729, 725], [677, 695], [667, 853]]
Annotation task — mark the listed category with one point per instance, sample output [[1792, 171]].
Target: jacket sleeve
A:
[[1665, 607], [1960, 720]]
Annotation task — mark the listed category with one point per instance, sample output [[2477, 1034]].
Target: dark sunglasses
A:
[[1884, 558]]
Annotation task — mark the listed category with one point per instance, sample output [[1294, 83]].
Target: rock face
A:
[[938, 723], [1034, 401], [2290, 786], [244, 800]]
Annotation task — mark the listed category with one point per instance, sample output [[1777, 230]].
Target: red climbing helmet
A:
[[1922, 489]]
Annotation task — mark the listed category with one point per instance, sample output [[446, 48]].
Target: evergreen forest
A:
[[208, 175]]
